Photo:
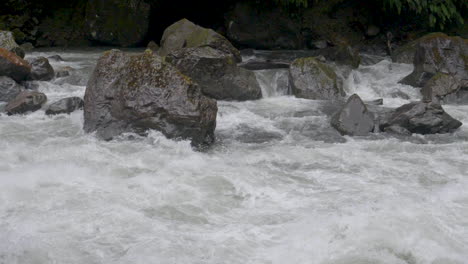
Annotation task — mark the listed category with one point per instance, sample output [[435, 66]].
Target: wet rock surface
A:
[[353, 119], [9, 89], [65, 106], [13, 66], [135, 93], [185, 34], [312, 79], [26, 101], [41, 70], [217, 73]]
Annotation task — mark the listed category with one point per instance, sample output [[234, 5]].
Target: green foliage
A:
[[439, 12]]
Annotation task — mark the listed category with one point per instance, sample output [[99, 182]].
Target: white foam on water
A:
[[280, 186]]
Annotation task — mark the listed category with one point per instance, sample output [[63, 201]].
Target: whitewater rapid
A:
[[279, 186]]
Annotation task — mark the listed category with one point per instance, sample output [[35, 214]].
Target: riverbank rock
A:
[[9, 89], [439, 53], [312, 79], [185, 34], [353, 118], [116, 22], [153, 46], [26, 101], [135, 93], [41, 70], [217, 73], [420, 118], [263, 29], [7, 41], [13, 66], [65, 106]]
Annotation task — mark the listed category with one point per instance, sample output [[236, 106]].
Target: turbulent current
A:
[[279, 186]]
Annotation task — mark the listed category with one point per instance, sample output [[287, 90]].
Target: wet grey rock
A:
[[444, 88], [9, 89], [55, 58], [41, 69], [135, 93], [375, 102], [394, 129], [185, 34], [26, 101], [152, 46], [62, 73], [217, 73], [7, 41], [312, 79], [65, 106], [439, 53], [421, 118], [353, 119], [13, 66], [115, 22]]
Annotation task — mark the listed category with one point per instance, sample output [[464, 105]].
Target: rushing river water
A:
[[279, 186]]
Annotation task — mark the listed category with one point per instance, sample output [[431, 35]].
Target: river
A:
[[279, 186]]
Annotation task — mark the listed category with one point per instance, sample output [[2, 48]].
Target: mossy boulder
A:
[[136, 93], [7, 41], [117, 22], [312, 79], [217, 73], [185, 34], [439, 53], [405, 53]]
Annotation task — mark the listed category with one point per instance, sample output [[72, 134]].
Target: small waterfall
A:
[[274, 82]]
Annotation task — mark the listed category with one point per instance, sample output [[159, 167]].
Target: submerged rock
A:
[[312, 79], [353, 119], [41, 69], [115, 22], [55, 58], [26, 101], [217, 73], [9, 89], [185, 34], [13, 66], [439, 53], [420, 118], [65, 106], [136, 93], [7, 41]]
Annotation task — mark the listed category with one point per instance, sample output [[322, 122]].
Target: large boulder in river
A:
[[41, 70], [420, 118], [312, 79], [117, 22], [439, 53], [135, 93], [185, 34], [13, 66], [7, 41], [444, 88], [217, 73], [343, 55], [9, 89], [26, 101], [263, 29], [65, 106], [353, 118]]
